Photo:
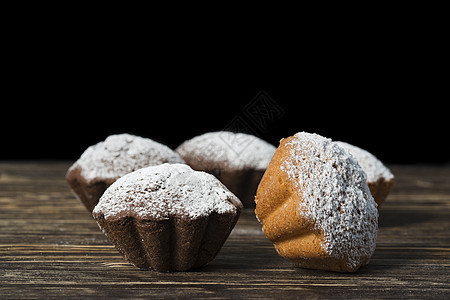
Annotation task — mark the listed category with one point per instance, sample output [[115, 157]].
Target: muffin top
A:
[[121, 154], [334, 194], [226, 150], [165, 191], [373, 167]]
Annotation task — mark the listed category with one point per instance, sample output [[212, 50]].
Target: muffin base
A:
[[172, 244], [242, 183], [380, 189], [88, 192]]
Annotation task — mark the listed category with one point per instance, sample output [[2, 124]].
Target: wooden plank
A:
[[51, 247]]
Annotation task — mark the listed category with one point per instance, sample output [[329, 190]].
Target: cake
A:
[[315, 206], [167, 217], [238, 160], [379, 178], [103, 163]]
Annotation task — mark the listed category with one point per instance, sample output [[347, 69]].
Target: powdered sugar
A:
[[373, 167], [121, 154], [335, 196], [228, 150], [166, 190]]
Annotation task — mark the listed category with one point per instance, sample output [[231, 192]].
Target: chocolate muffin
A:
[[238, 160], [167, 217], [103, 163], [379, 178]]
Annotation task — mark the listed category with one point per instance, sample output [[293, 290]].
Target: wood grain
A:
[[50, 247]]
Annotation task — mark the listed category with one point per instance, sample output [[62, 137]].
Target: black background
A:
[[60, 118], [63, 91]]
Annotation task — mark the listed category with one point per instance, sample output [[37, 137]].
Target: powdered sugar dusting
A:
[[335, 195], [163, 191], [228, 150], [121, 154], [373, 167]]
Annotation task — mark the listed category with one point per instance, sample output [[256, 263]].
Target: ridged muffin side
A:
[[167, 217], [315, 205]]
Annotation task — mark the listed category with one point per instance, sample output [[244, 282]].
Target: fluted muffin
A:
[[379, 178], [103, 163], [238, 160], [167, 217], [315, 206]]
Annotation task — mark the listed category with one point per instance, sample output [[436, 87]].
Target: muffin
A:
[[103, 163], [315, 206], [167, 217], [238, 160], [379, 178]]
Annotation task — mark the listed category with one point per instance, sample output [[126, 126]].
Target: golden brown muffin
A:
[[167, 217], [315, 206], [379, 178]]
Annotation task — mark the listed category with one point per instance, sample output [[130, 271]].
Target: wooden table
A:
[[50, 247]]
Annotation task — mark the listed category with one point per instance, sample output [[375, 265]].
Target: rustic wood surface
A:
[[50, 247]]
